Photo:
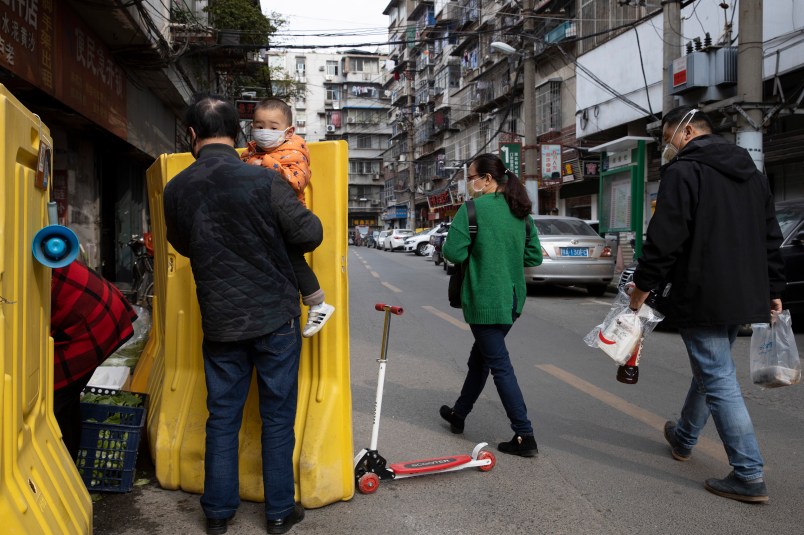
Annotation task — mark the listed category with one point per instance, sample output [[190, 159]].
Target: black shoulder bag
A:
[[456, 278]]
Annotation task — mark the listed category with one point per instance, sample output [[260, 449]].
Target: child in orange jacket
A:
[[276, 147]]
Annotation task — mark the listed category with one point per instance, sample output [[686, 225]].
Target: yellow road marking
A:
[[391, 287], [444, 316], [705, 445]]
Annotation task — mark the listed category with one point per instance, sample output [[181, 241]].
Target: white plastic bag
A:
[[774, 356], [623, 329]]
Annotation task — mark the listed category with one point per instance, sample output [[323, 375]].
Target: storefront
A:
[[101, 123]]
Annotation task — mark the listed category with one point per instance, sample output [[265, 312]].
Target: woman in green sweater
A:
[[493, 292]]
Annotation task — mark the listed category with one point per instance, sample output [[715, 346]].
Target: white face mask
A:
[[670, 151], [268, 139], [475, 193]]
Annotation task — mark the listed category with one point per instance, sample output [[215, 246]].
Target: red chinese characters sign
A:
[[440, 200], [45, 43]]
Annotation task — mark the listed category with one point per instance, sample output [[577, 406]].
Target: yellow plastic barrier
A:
[[171, 368], [40, 489]]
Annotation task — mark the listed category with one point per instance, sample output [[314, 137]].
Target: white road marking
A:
[[705, 445], [391, 287], [444, 316]]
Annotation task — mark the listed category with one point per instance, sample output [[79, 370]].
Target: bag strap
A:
[[471, 212], [527, 230]]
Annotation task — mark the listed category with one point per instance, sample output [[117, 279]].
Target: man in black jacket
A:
[[715, 238], [234, 221]]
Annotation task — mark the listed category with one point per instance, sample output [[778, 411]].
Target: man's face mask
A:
[[670, 151], [268, 139]]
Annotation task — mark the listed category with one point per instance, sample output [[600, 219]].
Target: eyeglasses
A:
[[474, 177]]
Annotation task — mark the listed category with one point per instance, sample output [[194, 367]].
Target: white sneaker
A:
[[316, 318]]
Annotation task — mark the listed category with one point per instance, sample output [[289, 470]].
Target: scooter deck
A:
[[429, 465]]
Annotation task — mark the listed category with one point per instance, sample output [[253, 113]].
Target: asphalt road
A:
[[603, 466]]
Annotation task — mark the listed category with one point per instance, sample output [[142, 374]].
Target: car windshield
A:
[[788, 218], [563, 227]]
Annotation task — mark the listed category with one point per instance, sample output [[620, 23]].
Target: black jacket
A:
[[714, 236], [234, 221]]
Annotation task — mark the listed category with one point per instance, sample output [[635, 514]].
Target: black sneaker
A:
[[283, 525], [524, 446], [218, 526], [736, 489], [455, 421], [679, 452]]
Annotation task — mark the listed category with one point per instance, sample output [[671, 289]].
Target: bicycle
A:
[[142, 284]]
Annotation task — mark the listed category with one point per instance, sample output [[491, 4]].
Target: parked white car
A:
[[396, 239], [418, 242], [381, 239]]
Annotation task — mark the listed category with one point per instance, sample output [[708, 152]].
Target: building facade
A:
[[343, 98]]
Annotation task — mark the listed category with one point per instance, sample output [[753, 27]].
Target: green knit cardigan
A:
[[494, 283]]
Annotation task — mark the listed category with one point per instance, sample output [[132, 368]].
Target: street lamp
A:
[[528, 112]]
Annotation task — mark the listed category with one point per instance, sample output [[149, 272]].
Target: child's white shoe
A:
[[316, 318]]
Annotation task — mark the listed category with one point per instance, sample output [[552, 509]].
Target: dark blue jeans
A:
[[489, 354], [228, 367]]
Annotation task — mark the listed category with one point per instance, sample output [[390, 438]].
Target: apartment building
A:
[[343, 98]]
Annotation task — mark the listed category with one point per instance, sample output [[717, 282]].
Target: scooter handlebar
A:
[[394, 310]]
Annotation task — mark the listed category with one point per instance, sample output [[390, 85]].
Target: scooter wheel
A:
[[487, 455], [369, 482]]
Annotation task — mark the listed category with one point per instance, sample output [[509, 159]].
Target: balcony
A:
[[463, 102], [470, 13], [565, 30]]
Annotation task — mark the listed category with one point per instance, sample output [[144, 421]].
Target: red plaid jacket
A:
[[89, 320]]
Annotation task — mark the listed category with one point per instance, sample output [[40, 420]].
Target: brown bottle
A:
[[628, 373]]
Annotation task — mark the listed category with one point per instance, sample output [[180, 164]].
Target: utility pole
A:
[[672, 49], [411, 166], [529, 104], [749, 80]]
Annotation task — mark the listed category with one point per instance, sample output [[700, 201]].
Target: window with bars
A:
[[598, 16], [364, 167], [333, 93], [366, 65], [332, 68], [548, 107]]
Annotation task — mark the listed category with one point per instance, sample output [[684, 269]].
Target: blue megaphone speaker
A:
[[55, 246]]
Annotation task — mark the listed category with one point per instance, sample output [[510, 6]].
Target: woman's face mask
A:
[[474, 192], [670, 151], [268, 139]]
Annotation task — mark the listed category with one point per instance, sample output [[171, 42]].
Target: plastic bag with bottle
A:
[[774, 355], [623, 330]]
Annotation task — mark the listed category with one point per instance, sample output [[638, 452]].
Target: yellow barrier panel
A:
[[171, 367], [40, 489]]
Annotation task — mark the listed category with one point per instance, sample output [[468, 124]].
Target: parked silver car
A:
[[574, 255]]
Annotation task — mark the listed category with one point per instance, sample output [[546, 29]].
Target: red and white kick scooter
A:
[[370, 466]]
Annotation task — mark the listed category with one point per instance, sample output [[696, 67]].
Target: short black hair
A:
[[211, 115], [675, 116], [273, 103]]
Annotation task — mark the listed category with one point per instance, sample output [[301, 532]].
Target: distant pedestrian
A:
[[493, 292], [89, 320], [233, 221], [714, 237]]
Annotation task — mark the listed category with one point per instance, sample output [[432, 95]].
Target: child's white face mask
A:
[[268, 139]]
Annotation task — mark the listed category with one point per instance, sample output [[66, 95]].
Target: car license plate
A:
[[574, 251]]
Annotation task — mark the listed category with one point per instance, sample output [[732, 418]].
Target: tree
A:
[[240, 22]]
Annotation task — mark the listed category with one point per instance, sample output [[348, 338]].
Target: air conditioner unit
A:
[[330, 128], [375, 176], [375, 202], [350, 120], [328, 77], [321, 68]]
